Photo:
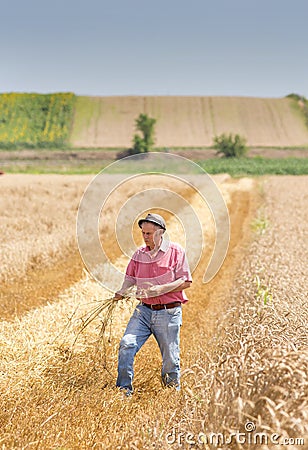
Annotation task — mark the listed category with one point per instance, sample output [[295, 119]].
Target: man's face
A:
[[148, 230]]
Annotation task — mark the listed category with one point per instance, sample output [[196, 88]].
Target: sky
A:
[[255, 48]]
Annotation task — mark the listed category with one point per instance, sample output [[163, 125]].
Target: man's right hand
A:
[[118, 296]]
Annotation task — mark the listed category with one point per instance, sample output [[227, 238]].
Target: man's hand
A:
[[118, 296]]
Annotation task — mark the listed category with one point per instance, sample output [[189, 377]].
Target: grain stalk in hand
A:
[[105, 307]]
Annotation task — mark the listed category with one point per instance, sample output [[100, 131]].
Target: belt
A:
[[165, 306]]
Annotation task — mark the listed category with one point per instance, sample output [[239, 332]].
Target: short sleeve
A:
[[131, 269], [182, 269]]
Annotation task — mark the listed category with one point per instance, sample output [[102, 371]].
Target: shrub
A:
[[139, 145], [231, 146], [302, 102], [145, 125], [296, 96], [144, 144]]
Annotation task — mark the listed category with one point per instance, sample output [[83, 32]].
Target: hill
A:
[[64, 120], [189, 121]]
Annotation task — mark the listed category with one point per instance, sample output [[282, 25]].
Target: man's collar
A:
[[163, 246]]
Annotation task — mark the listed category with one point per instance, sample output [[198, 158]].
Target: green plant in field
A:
[[302, 103], [256, 166], [260, 224], [230, 146], [138, 145], [263, 291], [144, 143], [145, 125], [295, 96]]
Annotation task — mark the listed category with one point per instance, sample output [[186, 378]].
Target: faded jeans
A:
[[165, 326]]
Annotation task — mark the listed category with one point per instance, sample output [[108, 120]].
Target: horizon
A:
[[150, 95]]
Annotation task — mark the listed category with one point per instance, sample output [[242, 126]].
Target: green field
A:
[[34, 120], [234, 167], [256, 166]]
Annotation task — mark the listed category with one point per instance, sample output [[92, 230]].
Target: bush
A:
[[145, 125], [144, 144], [302, 102], [231, 146], [139, 145], [296, 97]]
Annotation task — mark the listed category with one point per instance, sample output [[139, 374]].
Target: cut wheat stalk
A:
[[105, 311]]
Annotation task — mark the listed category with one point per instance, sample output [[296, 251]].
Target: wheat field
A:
[[243, 340]]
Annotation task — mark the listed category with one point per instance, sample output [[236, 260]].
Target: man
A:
[[161, 273]]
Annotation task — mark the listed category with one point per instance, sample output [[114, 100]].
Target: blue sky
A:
[[163, 47]]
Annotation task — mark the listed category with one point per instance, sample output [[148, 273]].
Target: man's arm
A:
[[127, 283], [175, 286], [182, 286]]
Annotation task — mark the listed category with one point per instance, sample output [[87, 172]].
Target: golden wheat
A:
[[241, 360]]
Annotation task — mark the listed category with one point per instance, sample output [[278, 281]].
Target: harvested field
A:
[[37, 239], [241, 359], [188, 121], [38, 245]]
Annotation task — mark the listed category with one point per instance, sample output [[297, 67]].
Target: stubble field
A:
[[244, 348], [186, 121]]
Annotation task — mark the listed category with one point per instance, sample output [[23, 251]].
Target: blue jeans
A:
[[165, 325]]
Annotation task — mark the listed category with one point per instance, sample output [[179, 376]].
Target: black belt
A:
[[165, 306]]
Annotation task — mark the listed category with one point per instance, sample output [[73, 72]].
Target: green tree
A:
[[145, 125], [230, 146], [138, 145]]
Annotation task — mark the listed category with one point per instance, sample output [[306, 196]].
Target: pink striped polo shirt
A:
[[168, 265]]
